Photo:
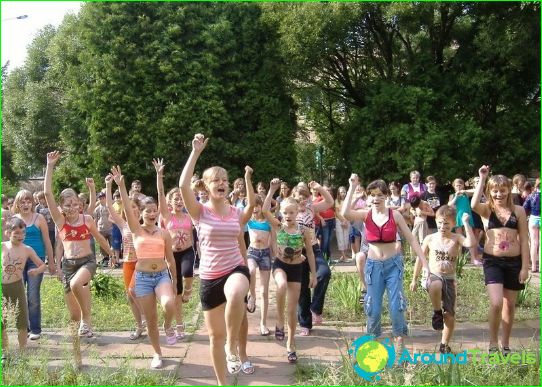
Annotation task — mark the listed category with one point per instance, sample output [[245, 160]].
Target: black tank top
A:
[[494, 221]]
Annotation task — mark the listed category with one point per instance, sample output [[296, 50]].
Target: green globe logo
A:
[[372, 356]]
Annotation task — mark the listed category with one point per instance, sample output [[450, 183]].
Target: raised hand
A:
[[199, 142], [354, 180], [90, 182], [314, 185], [483, 172], [109, 179], [248, 171], [274, 184], [117, 174], [158, 166], [52, 157]]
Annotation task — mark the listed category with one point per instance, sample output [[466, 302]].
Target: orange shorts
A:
[[128, 270]]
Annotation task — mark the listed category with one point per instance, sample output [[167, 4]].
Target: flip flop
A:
[[251, 304], [292, 357], [279, 333], [247, 368], [305, 331], [264, 331]]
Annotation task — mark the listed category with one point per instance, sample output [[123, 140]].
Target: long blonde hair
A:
[[497, 181], [21, 195]]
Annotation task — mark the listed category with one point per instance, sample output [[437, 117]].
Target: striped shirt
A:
[[218, 241], [128, 250]]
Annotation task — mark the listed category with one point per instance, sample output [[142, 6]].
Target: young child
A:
[[288, 266], [460, 200], [15, 254], [443, 249]]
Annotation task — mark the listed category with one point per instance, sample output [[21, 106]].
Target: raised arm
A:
[[400, 221], [133, 223], [190, 203], [52, 158], [251, 196], [117, 219], [162, 203], [273, 186], [92, 194], [346, 211], [481, 208], [328, 199], [470, 240]]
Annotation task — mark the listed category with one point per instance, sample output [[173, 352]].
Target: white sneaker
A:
[[156, 362], [34, 336]]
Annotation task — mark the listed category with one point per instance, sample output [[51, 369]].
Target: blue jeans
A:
[[33, 287], [327, 233], [385, 275], [305, 305]]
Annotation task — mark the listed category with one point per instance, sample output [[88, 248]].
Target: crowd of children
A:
[[286, 237]]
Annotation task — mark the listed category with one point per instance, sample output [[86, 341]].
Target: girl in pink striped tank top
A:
[[179, 226], [223, 269]]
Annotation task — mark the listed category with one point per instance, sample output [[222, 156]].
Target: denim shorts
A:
[[262, 257], [534, 221], [147, 282]]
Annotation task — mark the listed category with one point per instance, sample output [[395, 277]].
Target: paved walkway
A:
[[188, 362]]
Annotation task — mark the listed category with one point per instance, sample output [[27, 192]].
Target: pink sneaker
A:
[[171, 338]]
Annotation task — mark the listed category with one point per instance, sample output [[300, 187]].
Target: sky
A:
[[17, 34]]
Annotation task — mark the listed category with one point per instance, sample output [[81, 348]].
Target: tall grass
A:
[[342, 373], [472, 301], [33, 368], [110, 310]]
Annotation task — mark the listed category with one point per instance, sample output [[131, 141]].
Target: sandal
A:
[[305, 331], [438, 320], [506, 351], [493, 350], [317, 319], [233, 362], [292, 357], [186, 295], [137, 333], [264, 331], [180, 331], [85, 330], [247, 368], [251, 304], [279, 333]]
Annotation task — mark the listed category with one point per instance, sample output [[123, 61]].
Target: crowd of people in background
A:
[[201, 228]]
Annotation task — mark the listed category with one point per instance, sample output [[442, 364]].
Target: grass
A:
[[110, 312], [470, 374], [32, 368], [472, 301]]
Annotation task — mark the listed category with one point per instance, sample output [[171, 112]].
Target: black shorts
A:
[[293, 272], [211, 292], [503, 270], [184, 266]]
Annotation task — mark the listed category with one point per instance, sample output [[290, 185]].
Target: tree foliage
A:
[[384, 88]]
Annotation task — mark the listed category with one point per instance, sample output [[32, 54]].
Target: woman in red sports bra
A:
[[384, 267], [506, 253], [152, 280], [79, 262]]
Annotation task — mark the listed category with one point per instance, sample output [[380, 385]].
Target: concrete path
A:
[[188, 362]]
